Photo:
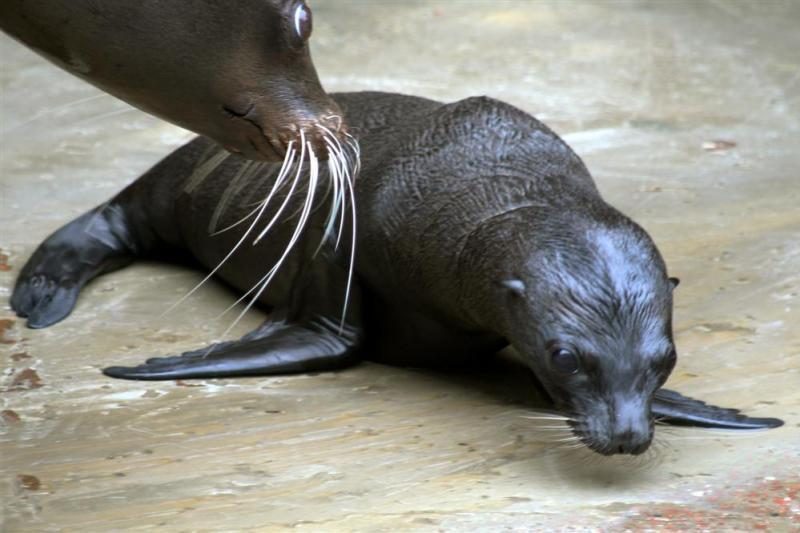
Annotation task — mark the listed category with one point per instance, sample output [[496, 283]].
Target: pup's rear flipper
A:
[[275, 349], [677, 409]]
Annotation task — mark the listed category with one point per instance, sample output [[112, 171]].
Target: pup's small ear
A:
[[515, 286], [675, 282]]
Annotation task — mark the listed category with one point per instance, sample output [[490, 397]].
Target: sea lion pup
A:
[[477, 227], [237, 72]]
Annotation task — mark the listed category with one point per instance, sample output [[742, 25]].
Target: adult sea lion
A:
[[237, 72], [477, 227]]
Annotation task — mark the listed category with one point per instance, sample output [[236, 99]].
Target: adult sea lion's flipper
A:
[[677, 409], [272, 349]]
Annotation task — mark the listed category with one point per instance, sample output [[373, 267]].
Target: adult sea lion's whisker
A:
[[546, 417], [309, 202], [337, 209], [289, 194], [568, 446], [345, 179], [280, 179], [352, 141], [51, 111], [265, 177], [257, 167], [336, 148], [333, 182], [227, 194], [567, 439], [272, 270], [109, 114], [326, 196], [348, 182], [352, 251], [285, 168], [240, 221]]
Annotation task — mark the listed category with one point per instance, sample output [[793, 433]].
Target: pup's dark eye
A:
[[564, 361], [302, 21]]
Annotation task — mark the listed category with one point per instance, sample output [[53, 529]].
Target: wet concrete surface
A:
[[688, 115]]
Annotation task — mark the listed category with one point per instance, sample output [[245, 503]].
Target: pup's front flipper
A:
[[309, 336], [48, 285], [677, 409], [272, 349]]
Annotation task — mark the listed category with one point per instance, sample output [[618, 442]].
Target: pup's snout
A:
[[630, 442], [632, 430]]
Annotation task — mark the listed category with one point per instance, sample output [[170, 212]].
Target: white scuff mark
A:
[[254, 483], [596, 140], [222, 492], [213, 388], [775, 325], [125, 395]]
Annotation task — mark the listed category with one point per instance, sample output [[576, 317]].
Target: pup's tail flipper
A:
[[677, 409]]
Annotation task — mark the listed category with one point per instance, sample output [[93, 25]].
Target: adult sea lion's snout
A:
[[265, 131], [238, 72]]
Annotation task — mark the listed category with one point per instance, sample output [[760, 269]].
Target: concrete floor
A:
[[688, 114]]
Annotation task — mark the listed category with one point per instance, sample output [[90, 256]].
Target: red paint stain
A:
[[4, 266], [21, 356], [26, 379], [10, 417], [5, 326], [181, 383], [760, 505], [28, 482]]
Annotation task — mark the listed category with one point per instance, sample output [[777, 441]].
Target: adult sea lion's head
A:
[[238, 72]]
